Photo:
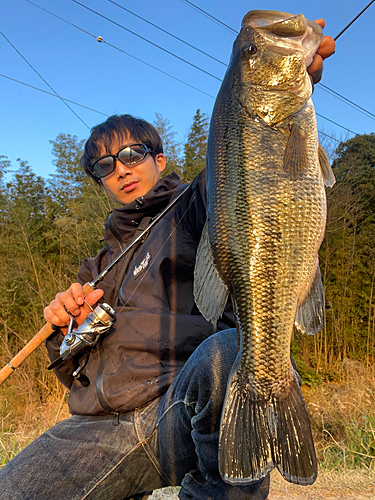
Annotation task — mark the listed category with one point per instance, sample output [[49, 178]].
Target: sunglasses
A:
[[128, 155]]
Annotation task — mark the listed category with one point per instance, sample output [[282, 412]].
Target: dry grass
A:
[[342, 418], [330, 485], [24, 420]]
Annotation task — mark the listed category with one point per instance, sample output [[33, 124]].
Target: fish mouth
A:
[[279, 23]]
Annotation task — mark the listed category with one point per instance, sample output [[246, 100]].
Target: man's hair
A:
[[117, 127]]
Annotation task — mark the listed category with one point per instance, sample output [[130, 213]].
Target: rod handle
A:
[[35, 342]]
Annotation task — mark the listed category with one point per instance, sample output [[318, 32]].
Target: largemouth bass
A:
[[265, 223]]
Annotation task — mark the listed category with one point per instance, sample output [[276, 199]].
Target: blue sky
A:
[[100, 77]]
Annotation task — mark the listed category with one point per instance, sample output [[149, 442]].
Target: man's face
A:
[[126, 183]]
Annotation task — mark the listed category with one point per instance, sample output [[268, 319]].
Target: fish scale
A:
[[265, 223]]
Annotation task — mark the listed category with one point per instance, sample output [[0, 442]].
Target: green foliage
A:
[[347, 262], [195, 148], [172, 149], [47, 227]]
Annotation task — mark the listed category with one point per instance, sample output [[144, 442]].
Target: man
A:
[[147, 402]]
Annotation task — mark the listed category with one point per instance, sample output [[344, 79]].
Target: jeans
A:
[[172, 440]]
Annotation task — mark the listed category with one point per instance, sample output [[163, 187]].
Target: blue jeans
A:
[[172, 440]]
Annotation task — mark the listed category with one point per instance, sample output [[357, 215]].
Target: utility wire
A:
[[40, 76], [168, 33], [171, 76], [217, 21], [341, 97], [147, 40], [184, 60], [336, 94], [335, 123], [327, 135], [120, 50], [53, 95], [105, 114]]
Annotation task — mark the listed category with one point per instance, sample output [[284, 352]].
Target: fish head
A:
[[269, 63]]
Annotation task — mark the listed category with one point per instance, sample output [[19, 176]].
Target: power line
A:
[[335, 123], [327, 135], [167, 74], [147, 40], [210, 16], [53, 95], [120, 50], [105, 114], [40, 76], [342, 98], [168, 33], [184, 60]]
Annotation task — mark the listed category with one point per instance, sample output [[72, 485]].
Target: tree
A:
[[195, 148], [347, 261], [172, 149]]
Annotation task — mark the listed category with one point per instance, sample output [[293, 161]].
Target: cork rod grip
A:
[[35, 342]]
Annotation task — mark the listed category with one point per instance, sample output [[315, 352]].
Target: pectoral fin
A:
[[310, 314], [295, 156], [210, 293], [325, 166]]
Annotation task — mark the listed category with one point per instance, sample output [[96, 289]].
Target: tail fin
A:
[[258, 435]]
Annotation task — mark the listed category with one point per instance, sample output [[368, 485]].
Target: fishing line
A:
[[157, 254], [40, 76]]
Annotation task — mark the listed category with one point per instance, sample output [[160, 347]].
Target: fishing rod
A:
[[95, 321], [353, 20]]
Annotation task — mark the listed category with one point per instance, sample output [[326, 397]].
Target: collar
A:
[[124, 220]]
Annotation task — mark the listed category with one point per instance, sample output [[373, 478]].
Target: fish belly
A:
[[265, 230]]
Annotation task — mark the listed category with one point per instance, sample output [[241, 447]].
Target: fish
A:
[[266, 217]]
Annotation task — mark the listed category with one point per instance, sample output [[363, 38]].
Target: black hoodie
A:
[[157, 325]]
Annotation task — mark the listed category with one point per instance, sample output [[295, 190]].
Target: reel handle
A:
[[35, 342]]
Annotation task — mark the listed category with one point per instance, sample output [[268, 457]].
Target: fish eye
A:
[[249, 50]]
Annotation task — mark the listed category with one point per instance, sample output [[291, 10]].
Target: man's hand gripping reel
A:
[[86, 336]]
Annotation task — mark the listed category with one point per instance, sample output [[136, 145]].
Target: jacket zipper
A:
[[100, 375]]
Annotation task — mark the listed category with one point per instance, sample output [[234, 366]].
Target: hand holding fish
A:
[[326, 49], [266, 216]]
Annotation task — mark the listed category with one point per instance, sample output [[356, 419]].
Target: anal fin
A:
[[325, 166], [309, 317], [210, 293]]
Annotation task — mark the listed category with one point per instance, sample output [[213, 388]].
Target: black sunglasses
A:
[[128, 155]]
